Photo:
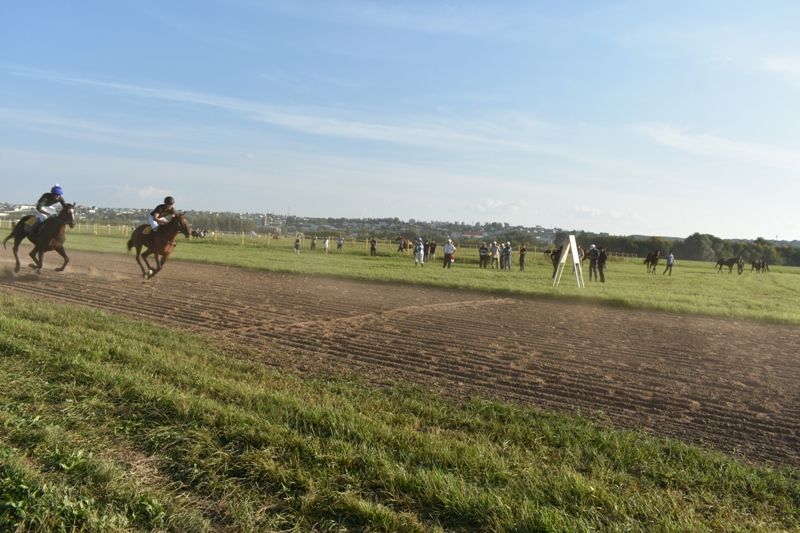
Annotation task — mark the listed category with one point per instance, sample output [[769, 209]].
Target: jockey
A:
[[156, 217], [44, 207]]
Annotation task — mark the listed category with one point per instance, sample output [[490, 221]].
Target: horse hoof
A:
[[59, 269]]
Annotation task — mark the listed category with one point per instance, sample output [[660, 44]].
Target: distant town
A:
[[289, 225]]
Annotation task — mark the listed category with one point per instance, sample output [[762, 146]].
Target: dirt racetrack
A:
[[729, 384]]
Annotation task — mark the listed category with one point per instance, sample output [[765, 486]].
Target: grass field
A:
[[694, 287], [104, 428]]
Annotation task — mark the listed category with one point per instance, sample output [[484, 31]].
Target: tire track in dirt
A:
[[730, 384]]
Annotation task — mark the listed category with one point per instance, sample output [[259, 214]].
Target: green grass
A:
[[694, 287], [108, 424]]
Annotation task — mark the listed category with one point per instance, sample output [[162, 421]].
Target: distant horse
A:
[[652, 261], [50, 235], [759, 265], [159, 243], [730, 263]]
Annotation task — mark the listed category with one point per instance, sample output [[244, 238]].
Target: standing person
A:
[[419, 253], [555, 257], [313, 243], [156, 217], [670, 262], [432, 257], [594, 253], [326, 245], [339, 243], [507, 256], [297, 246], [44, 207], [449, 253], [523, 251], [373, 247], [427, 250], [602, 257], [494, 250], [483, 256]]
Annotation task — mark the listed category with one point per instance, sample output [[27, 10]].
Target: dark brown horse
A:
[[730, 262], [159, 243], [50, 235], [652, 261]]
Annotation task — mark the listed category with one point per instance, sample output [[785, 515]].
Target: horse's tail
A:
[[6, 239], [130, 244]]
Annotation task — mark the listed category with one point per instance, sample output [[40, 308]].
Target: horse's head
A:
[[67, 215], [183, 225]]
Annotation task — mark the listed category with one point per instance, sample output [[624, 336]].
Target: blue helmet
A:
[[57, 190]]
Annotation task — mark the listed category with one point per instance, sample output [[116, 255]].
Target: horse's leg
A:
[[150, 272], [139, 262], [139, 258], [37, 256], [63, 254], [15, 249]]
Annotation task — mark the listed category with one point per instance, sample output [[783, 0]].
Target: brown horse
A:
[[50, 235], [159, 243]]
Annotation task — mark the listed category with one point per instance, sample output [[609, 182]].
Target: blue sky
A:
[[657, 118]]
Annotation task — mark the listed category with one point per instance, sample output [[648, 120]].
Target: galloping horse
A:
[[159, 243], [50, 235], [652, 261]]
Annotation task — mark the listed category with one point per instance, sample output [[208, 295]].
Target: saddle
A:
[[31, 226], [147, 230]]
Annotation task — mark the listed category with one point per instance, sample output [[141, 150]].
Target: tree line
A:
[[697, 246]]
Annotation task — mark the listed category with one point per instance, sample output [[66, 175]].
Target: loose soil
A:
[[729, 384]]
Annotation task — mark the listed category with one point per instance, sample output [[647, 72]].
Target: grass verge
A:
[[109, 424]]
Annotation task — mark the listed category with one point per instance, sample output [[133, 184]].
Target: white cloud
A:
[[145, 192], [520, 134], [494, 206], [786, 66], [721, 148]]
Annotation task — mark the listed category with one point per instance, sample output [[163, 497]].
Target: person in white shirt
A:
[[449, 253]]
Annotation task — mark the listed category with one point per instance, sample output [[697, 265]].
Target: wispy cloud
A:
[[519, 134], [493, 206], [786, 66], [143, 192], [721, 148]]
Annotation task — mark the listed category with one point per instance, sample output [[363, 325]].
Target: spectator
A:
[[494, 249], [523, 251], [326, 245], [602, 257], [433, 251], [297, 246], [483, 256], [670, 262], [419, 253], [339, 243], [449, 253], [507, 256], [594, 253], [373, 247], [313, 243]]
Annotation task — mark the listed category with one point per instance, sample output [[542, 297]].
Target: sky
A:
[[631, 117]]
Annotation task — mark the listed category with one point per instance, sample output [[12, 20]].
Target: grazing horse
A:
[[652, 261], [730, 263], [759, 265], [159, 243], [49, 235]]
